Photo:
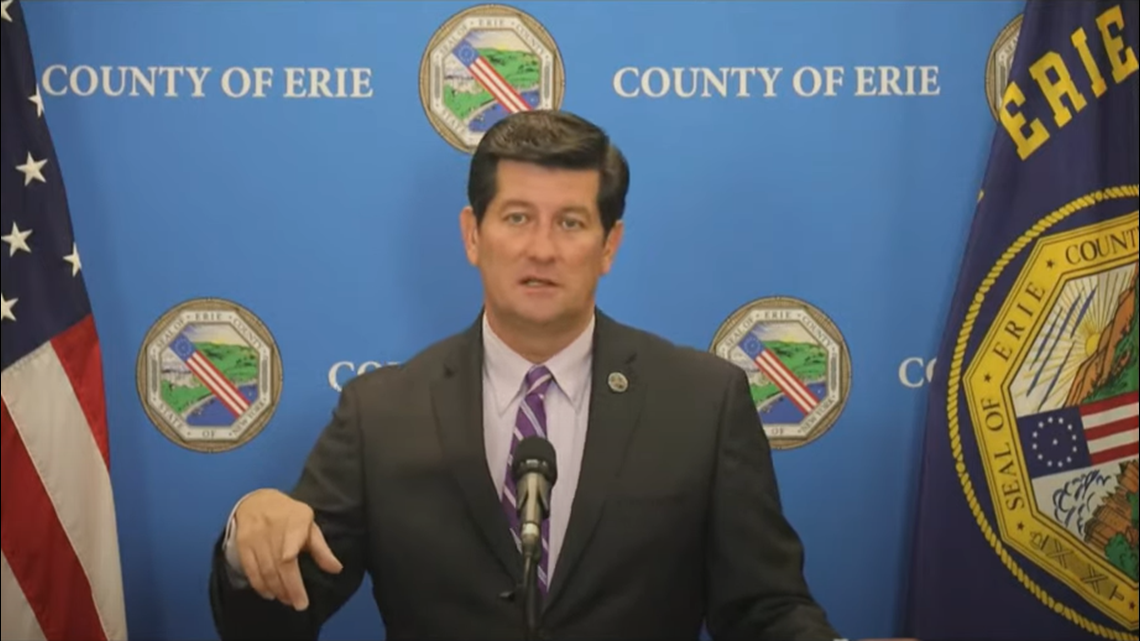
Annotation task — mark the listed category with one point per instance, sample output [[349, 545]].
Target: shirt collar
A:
[[506, 369]]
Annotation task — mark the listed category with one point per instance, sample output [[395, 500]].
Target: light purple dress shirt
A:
[[567, 414]]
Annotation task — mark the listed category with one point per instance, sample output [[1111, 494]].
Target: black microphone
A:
[[535, 470]]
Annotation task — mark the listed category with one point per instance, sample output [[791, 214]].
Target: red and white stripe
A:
[[1112, 427], [225, 391], [792, 387], [497, 86], [60, 575]]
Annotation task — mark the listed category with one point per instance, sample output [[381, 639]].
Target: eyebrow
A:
[[516, 203], [522, 203]]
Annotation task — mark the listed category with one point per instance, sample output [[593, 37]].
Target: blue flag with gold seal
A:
[[1027, 505]]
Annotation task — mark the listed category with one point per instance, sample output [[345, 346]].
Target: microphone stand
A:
[[535, 472], [531, 603]]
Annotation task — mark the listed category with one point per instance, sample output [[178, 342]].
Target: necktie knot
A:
[[537, 380]]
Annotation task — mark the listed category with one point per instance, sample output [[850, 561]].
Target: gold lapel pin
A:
[[618, 382]]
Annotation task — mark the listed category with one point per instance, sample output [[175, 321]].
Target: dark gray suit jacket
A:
[[676, 520]]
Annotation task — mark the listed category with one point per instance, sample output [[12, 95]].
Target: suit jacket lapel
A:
[[458, 401], [613, 416]]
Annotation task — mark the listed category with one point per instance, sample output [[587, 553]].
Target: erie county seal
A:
[[484, 63], [797, 362], [209, 375], [1043, 421], [999, 63]]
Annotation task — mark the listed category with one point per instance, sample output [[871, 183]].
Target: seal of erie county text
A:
[[1043, 419]]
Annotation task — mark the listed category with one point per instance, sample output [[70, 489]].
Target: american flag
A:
[[770, 364], [1075, 438], [60, 574], [485, 74]]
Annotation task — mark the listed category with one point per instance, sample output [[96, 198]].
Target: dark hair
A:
[[550, 139]]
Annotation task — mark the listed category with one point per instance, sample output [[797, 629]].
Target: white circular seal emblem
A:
[[483, 64], [798, 366], [209, 375], [999, 63]]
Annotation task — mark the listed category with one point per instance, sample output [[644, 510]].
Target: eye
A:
[[572, 223], [515, 218]]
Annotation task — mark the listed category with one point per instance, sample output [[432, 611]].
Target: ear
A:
[[612, 242], [469, 229]]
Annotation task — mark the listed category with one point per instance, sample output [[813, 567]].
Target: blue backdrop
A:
[[334, 220]]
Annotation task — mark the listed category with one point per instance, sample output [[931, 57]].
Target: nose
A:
[[541, 245]]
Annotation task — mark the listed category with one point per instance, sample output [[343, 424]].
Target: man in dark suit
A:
[[665, 515]]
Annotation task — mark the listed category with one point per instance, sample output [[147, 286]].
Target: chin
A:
[[540, 318], [537, 314]]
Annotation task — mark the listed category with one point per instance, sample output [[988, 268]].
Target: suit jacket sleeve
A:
[[756, 584], [332, 484]]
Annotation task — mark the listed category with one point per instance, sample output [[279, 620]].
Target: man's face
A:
[[541, 247]]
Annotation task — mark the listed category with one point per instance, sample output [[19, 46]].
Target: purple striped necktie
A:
[[530, 421]]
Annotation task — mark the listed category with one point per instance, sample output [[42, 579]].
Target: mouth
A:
[[533, 281]]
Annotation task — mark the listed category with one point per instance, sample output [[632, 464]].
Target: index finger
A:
[[290, 573]]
